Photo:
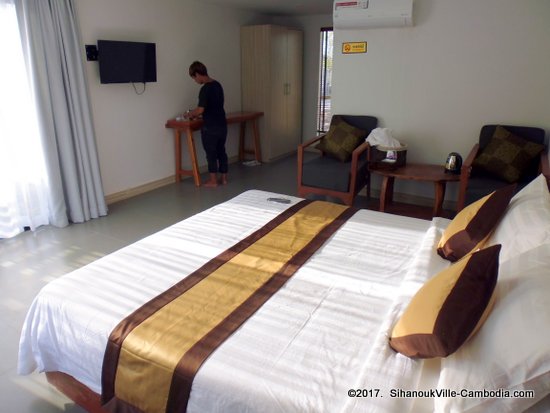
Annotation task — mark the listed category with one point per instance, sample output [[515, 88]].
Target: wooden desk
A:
[[189, 126], [416, 172]]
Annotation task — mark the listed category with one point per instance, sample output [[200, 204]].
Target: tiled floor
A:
[[32, 259]]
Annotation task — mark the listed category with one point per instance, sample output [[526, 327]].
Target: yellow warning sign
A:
[[354, 47]]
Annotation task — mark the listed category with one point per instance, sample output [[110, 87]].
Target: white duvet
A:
[[324, 333]]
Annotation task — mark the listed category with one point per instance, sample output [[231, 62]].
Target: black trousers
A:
[[213, 142]]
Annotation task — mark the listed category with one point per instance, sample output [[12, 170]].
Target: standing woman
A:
[[214, 129]]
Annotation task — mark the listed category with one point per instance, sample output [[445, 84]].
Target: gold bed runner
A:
[[153, 355]]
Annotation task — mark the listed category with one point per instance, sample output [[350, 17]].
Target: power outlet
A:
[[91, 53]]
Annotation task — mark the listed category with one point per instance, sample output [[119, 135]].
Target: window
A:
[[324, 113]]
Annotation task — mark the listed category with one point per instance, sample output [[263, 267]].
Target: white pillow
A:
[[512, 349], [526, 222]]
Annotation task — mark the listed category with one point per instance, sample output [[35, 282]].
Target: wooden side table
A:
[[416, 172], [189, 126]]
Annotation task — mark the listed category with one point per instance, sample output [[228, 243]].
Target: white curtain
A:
[[24, 185], [70, 179]]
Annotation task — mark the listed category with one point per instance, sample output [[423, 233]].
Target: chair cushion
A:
[[448, 308], [341, 139], [471, 226], [481, 186], [328, 173], [507, 156]]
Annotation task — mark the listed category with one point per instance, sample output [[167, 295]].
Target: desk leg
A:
[[177, 142], [257, 147], [242, 129], [193, 155], [439, 196], [386, 192]]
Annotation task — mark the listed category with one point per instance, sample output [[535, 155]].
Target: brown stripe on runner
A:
[[189, 364], [125, 327]]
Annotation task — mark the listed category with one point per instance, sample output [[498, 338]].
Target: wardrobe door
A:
[[279, 92], [294, 88], [271, 77]]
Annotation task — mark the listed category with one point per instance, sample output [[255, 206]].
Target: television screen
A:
[[126, 62]]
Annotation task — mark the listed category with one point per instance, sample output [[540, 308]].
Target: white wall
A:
[[463, 64], [134, 146]]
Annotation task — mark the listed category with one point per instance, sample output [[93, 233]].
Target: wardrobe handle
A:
[[286, 89]]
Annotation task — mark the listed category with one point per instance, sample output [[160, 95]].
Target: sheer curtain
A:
[[69, 182], [24, 186]]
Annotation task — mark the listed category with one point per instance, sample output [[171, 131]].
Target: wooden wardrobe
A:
[[271, 82]]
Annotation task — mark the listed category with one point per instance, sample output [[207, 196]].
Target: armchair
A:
[[328, 176], [475, 183]]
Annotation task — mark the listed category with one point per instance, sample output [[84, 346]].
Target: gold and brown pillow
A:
[[507, 156], [449, 308], [341, 139], [474, 224]]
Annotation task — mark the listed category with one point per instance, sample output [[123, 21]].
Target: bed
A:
[[320, 339]]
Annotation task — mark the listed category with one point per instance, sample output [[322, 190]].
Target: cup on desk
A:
[[184, 116]]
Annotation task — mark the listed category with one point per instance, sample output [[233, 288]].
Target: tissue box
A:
[[387, 158]]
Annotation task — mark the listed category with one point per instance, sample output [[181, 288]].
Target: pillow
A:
[[448, 308], [512, 350], [507, 156], [471, 226], [526, 222], [341, 139]]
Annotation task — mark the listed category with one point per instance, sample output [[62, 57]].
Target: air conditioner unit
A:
[[366, 14]]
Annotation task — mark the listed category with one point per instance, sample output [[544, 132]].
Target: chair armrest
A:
[[545, 167], [357, 152], [360, 149], [466, 167], [470, 158], [465, 172], [311, 141]]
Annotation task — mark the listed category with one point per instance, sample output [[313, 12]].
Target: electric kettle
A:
[[453, 163]]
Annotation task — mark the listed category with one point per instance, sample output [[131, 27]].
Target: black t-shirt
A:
[[211, 99]]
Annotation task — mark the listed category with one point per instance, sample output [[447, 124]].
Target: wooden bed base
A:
[[76, 391]]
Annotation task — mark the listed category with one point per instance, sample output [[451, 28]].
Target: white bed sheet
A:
[[323, 333]]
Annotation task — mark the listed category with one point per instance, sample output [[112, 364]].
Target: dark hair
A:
[[197, 68]]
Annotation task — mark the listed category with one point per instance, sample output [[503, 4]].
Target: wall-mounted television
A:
[[126, 62]]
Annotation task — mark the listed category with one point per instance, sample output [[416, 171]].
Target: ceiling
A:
[[280, 7]]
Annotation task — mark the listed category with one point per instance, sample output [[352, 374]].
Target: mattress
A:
[[321, 338]]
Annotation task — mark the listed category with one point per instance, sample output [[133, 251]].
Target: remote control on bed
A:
[[279, 200]]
